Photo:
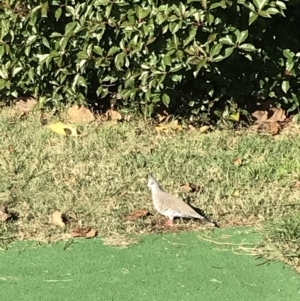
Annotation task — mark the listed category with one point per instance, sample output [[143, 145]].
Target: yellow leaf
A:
[[234, 117], [203, 128], [169, 126], [63, 129], [237, 162], [236, 193], [160, 128], [57, 219]]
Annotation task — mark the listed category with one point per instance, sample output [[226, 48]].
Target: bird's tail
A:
[[210, 222]]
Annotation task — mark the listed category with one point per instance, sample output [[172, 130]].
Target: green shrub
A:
[[201, 58]]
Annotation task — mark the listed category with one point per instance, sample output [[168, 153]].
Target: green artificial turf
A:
[[160, 267]]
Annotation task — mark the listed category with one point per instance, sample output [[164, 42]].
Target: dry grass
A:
[[100, 177], [117, 240], [282, 240]]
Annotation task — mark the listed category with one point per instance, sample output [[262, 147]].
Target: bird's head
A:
[[152, 183]]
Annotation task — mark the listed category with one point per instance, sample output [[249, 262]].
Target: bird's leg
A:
[[169, 223]]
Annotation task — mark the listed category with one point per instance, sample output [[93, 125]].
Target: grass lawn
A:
[[100, 177]]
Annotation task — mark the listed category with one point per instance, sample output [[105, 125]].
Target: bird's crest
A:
[[152, 182]]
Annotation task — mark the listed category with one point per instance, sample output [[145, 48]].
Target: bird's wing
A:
[[176, 207], [172, 206]]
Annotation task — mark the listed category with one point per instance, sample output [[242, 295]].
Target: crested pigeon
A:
[[171, 206]]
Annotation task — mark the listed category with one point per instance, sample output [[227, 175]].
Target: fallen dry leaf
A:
[[191, 128], [87, 232], [204, 129], [237, 162], [270, 125], [113, 115], [78, 114], [236, 193], [261, 116], [186, 187], [163, 127], [25, 104], [4, 214], [252, 217], [297, 184], [274, 127], [137, 214], [288, 121], [91, 233], [57, 219], [262, 127], [163, 117], [63, 129], [70, 181], [189, 187], [278, 115]]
